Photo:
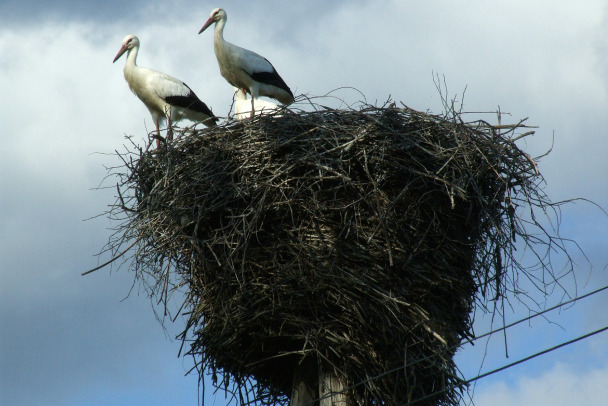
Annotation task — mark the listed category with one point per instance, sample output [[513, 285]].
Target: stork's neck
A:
[[130, 70], [218, 31], [132, 57]]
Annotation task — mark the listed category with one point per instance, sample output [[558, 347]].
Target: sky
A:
[[67, 339]]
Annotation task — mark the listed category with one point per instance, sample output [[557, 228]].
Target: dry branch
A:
[[359, 239]]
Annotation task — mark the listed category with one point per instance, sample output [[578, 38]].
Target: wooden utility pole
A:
[[313, 385]]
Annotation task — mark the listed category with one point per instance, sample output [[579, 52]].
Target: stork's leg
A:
[[169, 128], [252, 107], [157, 135]]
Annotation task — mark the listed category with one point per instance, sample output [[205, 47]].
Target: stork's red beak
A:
[[207, 24], [121, 51]]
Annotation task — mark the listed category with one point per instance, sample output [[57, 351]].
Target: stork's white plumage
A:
[[242, 106], [245, 69], [165, 96]]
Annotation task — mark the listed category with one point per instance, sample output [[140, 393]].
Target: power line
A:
[[510, 365], [470, 341], [536, 315], [396, 369], [601, 330], [480, 336]]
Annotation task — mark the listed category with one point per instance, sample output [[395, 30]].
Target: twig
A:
[[110, 261]]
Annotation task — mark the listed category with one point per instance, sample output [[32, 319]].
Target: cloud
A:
[[31, 12], [65, 337], [561, 385], [63, 101]]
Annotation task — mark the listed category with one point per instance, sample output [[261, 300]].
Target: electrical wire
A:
[[396, 369], [535, 315], [482, 336], [528, 358]]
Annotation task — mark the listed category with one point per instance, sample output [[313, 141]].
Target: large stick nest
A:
[[359, 239]]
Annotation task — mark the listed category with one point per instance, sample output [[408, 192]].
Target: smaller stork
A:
[[242, 106], [165, 96], [245, 69]]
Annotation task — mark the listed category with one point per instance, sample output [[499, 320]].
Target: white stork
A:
[[242, 105], [165, 96], [245, 69]]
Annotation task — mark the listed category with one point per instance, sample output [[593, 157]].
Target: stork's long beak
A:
[[121, 51], [207, 24]]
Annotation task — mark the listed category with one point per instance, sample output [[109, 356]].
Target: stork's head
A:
[[129, 42], [216, 15]]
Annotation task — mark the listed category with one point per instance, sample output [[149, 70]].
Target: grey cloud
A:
[[73, 334]]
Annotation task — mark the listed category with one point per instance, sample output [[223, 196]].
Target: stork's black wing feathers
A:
[[189, 101], [270, 78]]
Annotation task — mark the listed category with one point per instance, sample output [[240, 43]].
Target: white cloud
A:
[[562, 385], [63, 100]]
